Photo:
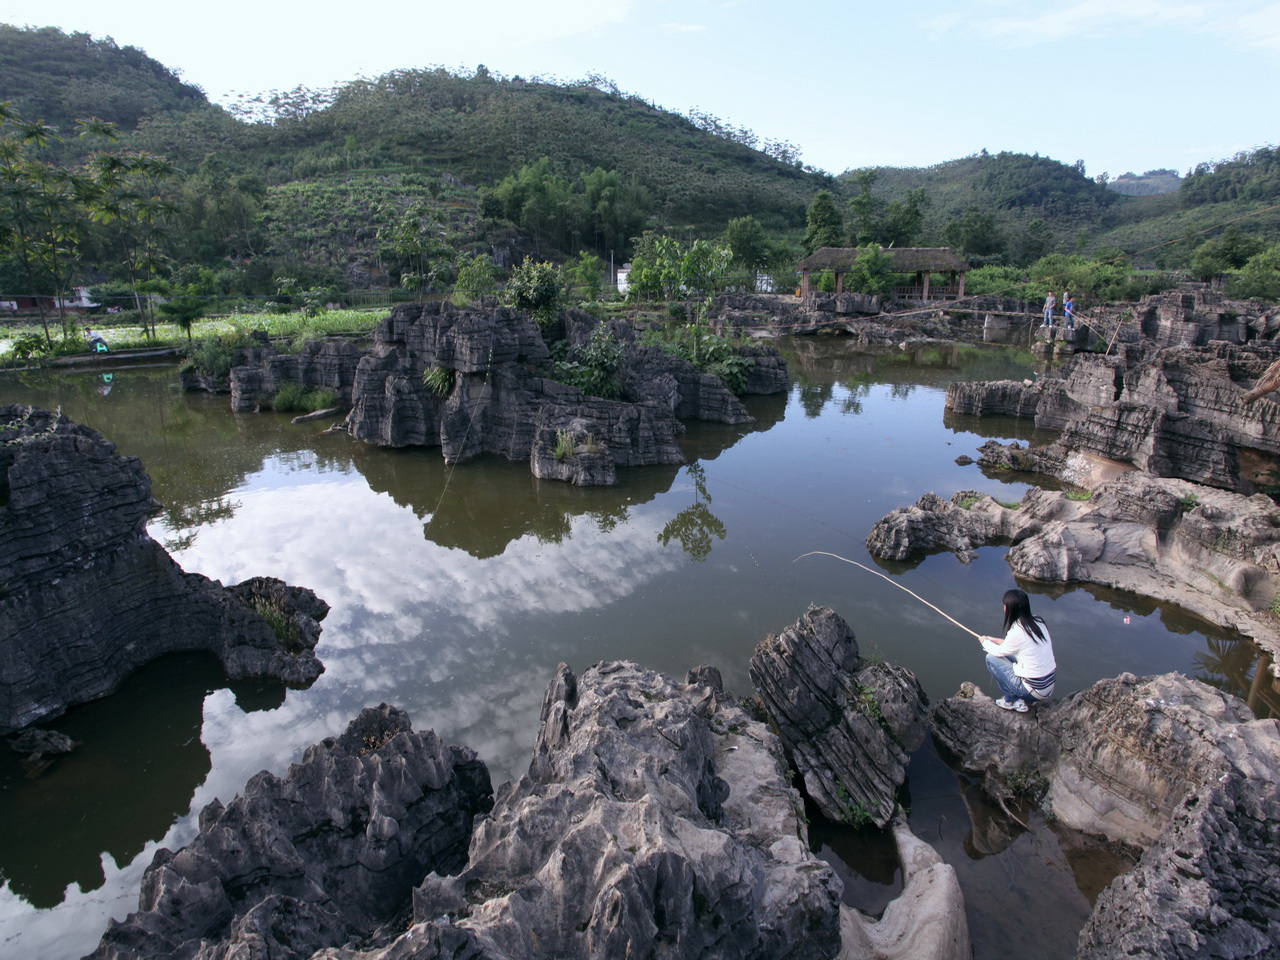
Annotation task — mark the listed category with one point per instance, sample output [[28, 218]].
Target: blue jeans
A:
[[1048, 317], [1010, 684]]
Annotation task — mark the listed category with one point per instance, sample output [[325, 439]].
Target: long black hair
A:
[[1017, 609]]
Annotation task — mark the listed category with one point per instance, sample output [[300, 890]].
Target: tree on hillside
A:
[[866, 213], [903, 220], [1231, 251], [976, 233], [751, 251], [825, 226], [1035, 241]]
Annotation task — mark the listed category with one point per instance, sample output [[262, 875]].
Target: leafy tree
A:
[[585, 274], [1231, 251], [751, 251], [476, 277], [663, 268], [1035, 241], [129, 201], [1259, 278], [871, 272], [825, 227], [536, 287], [903, 220], [866, 213], [185, 303], [976, 233]]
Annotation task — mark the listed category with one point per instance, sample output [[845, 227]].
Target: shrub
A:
[[295, 398], [439, 380], [594, 366]]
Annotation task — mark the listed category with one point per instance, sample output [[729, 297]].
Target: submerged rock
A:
[[849, 725], [1167, 764], [325, 856], [88, 596]]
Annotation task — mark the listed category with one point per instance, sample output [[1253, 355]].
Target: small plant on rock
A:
[[439, 380], [564, 444]]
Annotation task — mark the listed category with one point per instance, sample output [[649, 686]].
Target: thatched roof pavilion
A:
[[921, 261]]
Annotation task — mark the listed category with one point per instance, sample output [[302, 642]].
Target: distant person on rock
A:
[[1069, 311], [1049, 303], [1022, 662]]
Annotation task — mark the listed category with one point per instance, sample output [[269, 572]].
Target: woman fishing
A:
[[1022, 662]]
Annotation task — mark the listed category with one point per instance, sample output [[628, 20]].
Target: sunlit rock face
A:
[[850, 726], [88, 596], [1167, 764], [656, 820], [486, 390], [1176, 412], [324, 856], [1207, 550]]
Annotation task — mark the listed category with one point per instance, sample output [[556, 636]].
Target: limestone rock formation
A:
[[490, 395], [325, 856], [655, 820], [1166, 764], [849, 726], [320, 365], [926, 920], [1207, 550], [88, 596], [1178, 412]]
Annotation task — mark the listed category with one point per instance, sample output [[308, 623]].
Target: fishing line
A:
[[819, 521], [862, 566]]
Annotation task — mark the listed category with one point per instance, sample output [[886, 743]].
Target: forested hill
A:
[[57, 77], [396, 181], [480, 129]]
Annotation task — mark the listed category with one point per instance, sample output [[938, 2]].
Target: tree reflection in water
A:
[[695, 525]]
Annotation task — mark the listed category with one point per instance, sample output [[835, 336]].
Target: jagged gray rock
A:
[[1176, 412], [849, 726], [655, 820], [89, 597], [1164, 763], [1207, 550], [319, 365], [323, 857]]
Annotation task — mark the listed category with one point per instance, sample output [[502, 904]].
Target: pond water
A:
[[456, 591]]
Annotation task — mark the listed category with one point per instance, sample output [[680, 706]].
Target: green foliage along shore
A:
[[393, 185]]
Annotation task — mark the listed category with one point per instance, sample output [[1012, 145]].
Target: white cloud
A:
[[684, 27], [1257, 28], [1081, 20]]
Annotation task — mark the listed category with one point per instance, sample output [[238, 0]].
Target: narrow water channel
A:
[[456, 591]]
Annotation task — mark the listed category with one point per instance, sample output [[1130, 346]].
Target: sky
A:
[[1124, 85]]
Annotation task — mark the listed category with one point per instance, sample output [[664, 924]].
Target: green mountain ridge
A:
[[382, 181]]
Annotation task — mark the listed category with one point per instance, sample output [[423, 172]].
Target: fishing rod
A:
[[863, 566]]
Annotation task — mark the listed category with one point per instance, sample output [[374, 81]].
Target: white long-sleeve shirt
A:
[[1034, 658]]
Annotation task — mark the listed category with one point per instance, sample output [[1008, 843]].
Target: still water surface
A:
[[455, 592]]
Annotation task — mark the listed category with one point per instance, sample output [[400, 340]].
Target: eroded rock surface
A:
[[655, 820], [1207, 550], [1166, 764], [1177, 412], [849, 725], [323, 857], [89, 597], [491, 394]]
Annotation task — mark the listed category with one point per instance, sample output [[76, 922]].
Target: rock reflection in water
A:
[[144, 743]]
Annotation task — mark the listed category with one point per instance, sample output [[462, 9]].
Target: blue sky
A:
[[1121, 84]]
